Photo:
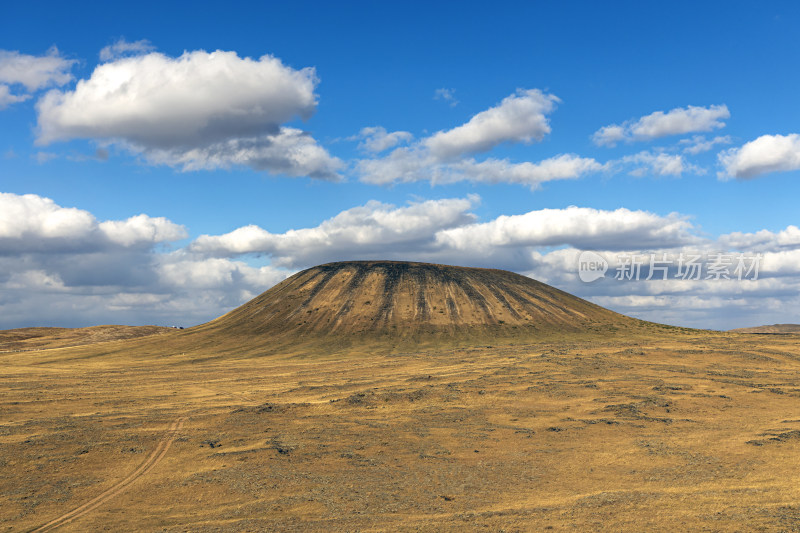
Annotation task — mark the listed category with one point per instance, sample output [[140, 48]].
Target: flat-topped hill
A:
[[405, 299]]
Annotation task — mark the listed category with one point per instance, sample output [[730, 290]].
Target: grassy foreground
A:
[[658, 430]]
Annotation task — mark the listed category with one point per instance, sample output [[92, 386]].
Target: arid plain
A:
[[391, 396]]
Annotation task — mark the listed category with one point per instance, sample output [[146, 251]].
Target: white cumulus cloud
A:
[[445, 231], [580, 227], [413, 164], [155, 101], [659, 164], [764, 155], [374, 230], [142, 229], [763, 240], [183, 270], [565, 166], [32, 217], [291, 152], [699, 143], [61, 266], [678, 121], [445, 157], [35, 72], [376, 139], [520, 117], [6, 98], [33, 223], [32, 73], [610, 135], [199, 110]]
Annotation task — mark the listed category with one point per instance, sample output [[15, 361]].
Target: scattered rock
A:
[[780, 437], [281, 447], [269, 408]]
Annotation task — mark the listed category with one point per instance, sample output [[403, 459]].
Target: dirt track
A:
[[152, 460]]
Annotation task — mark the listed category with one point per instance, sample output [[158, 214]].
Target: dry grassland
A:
[[658, 429]]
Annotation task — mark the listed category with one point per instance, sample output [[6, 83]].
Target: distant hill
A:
[[383, 305], [26, 339], [775, 329], [402, 299]]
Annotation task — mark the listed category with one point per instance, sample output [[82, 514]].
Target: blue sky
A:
[[165, 162]]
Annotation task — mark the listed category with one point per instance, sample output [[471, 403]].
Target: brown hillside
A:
[[27, 339], [408, 299], [775, 329]]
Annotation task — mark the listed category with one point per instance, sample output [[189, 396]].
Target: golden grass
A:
[[647, 428]]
